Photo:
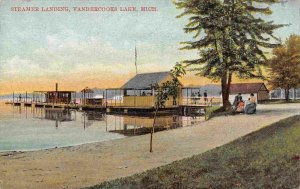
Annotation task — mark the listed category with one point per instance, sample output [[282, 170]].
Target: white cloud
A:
[[68, 55], [16, 68]]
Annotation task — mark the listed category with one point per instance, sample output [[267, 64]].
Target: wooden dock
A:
[[43, 105], [181, 109]]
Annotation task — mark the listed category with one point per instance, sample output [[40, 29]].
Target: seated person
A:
[[240, 107], [250, 107], [237, 99]]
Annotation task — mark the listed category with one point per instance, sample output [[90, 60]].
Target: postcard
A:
[[149, 94]]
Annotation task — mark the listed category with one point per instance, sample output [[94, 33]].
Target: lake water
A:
[[27, 128]]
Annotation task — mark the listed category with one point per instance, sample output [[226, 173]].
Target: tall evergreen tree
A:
[[230, 38]]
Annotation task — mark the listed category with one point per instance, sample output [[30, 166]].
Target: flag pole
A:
[[135, 55]]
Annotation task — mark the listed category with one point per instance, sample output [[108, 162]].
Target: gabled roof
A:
[[246, 88], [145, 80]]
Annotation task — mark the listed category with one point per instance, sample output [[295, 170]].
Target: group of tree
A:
[[231, 36]]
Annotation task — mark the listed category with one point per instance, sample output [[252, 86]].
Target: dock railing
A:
[[201, 101]]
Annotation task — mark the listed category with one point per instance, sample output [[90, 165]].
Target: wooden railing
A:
[[209, 101]]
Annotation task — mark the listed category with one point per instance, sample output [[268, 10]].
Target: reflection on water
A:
[[58, 115], [143, 125], [27, 128]]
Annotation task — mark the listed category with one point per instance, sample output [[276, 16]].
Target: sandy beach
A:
[[90, 164]]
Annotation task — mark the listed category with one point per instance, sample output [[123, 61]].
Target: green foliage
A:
[[285, 65], [161, 95], [169, 88], [178, 71], [212, 111], [229, 37]]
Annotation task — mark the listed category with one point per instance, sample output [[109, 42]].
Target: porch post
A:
[[134, 100], [115, 97], [119, 93], [187, 96]]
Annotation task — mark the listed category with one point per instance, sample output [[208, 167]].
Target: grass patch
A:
[[214, 111], [267, 158]]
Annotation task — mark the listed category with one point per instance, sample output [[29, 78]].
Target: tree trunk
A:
[[225, 83], [152, 130], [287, 94]]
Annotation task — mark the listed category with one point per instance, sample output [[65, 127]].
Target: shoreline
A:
[[90, 164], [53, 148]]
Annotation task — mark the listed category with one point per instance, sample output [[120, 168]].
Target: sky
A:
[[97, 49]]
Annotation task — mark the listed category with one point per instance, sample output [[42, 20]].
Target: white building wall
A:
[[280, 94]]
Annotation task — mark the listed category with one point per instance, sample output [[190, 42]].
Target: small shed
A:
[[259, 90], [86, 94], [59, 97], [56, 96]]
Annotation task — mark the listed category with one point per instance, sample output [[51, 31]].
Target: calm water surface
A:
[[27, 128]]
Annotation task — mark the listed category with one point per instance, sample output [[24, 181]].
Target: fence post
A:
[[115, 97], [134, 99]]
